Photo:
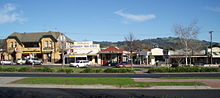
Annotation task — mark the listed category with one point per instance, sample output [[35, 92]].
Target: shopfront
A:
[[84, 50]]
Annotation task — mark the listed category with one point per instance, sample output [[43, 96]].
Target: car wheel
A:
[[20, 63], [77, 65]]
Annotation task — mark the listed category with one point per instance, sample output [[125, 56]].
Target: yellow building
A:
[[42, 45]]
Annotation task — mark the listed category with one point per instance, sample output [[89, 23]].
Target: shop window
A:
[[71, 50]]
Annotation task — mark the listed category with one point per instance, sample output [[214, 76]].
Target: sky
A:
[[109, 20]]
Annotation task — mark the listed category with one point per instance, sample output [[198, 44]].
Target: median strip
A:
[[115, 81]]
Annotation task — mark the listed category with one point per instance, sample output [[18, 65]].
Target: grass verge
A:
[[122, 82], [189, 77]]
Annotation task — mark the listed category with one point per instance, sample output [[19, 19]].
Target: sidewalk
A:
[[5, 82]]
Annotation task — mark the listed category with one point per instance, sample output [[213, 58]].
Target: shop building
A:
[[84, 50], [112, 54]]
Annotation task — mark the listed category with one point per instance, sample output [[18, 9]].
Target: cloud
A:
[[138, 18], [214, 9], [8, 14]]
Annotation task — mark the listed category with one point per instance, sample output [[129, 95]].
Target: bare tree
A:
[[131, 44], [187, 35], [62, 46]]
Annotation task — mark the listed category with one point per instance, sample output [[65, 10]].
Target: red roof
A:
[[112, 48]]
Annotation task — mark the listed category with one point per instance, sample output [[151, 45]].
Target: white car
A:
[[34, 61], [6, 62], [21, 61], [80, 63]]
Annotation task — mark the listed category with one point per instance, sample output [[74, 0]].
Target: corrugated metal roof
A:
[[36, 36]]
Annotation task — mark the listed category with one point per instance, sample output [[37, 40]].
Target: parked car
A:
[[6, 62], [80, 63], [34, 61], [111, 64], [21, 61], [124, 65]]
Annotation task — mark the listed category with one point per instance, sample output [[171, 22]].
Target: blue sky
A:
[[109, 20]]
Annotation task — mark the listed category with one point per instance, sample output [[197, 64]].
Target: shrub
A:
[[44, 69], [119, 70], [184, 69], [25, 69], [9, 69], [92, 70]]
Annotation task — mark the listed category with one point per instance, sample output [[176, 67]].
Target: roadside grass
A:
[[116, 81], [189, 77]]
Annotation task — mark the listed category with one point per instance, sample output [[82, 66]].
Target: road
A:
[[104, 93], [3, 74]]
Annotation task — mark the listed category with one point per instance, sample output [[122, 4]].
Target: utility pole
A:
[[63, 46], [210, 32]]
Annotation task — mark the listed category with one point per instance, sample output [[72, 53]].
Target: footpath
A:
[[211, 84]]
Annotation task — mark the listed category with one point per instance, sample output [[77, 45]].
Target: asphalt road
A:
[[3, 74], [104, 93]]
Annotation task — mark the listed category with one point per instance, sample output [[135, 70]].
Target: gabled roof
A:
[[35, 37], [112, 48]]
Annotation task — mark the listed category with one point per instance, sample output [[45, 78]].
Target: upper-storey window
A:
[[50, 44], [11, 44], [31, 44], [15, 44], [46, 44]]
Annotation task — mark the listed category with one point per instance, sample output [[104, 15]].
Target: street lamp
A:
[[210, 32]]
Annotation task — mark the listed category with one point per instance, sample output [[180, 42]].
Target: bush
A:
[[119, 70], [25, 69], [184, 69], [44, 69], [9, 69], [92, 70]]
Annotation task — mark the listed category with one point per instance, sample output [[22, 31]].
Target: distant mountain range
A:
[[167, 43]]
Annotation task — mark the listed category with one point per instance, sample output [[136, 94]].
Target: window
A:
[[50, 44], [71, 50], [16, 44], [11, 44], [31, 44], [46, 44]]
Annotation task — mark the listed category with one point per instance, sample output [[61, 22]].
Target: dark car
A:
[[124, 65], [111, 64]]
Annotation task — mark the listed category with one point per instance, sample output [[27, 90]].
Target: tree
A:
[[131, 45], [187, 35], [62, 46]]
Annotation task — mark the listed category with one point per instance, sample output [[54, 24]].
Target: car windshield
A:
[[77, 61]]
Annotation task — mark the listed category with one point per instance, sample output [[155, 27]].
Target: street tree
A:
[[132, 45], [187, 36]]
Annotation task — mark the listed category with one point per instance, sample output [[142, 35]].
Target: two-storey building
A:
[[46, 46]]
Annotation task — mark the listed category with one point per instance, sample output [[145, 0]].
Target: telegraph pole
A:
[[63, 46], [210, 32]]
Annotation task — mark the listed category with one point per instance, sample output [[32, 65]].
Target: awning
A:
[[77, 56], [26, 54]]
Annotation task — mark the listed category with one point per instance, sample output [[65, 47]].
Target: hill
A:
[[165, 43]]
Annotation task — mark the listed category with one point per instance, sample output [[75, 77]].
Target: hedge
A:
[[184, 69], [119, 70], [65, 69]]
